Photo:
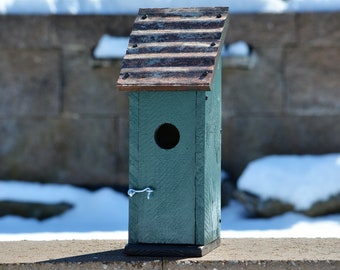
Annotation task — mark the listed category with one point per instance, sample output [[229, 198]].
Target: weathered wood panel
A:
[[169, 215], [208, 162], [173, 49]]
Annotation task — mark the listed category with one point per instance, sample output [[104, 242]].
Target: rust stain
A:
[[173, 49]]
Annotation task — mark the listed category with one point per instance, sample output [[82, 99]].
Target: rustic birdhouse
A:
[[172, 70]]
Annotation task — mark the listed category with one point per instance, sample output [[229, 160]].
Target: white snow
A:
[[131, 7], [111, 47], [236, 49], [103, 214], [289, 225], [104, 209], [298, 180], [257, 6], [312, 5]]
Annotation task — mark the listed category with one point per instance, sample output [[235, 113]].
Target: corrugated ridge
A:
[[164, 39]]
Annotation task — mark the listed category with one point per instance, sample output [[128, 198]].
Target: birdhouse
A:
[[172, 70]]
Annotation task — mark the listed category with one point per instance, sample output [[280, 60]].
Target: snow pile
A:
[[103, 214], [131, 7], [288, 225], [102, 210], [298, 180]]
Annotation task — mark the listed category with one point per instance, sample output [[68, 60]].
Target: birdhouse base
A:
[[167, 250]]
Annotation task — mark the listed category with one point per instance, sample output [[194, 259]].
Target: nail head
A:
[[125, 76]]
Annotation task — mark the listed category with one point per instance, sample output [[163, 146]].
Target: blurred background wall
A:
[[63, 121]]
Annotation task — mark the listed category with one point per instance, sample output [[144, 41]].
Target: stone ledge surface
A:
[[277, 253]]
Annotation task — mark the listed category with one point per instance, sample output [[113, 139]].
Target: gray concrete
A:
[[311, 254]]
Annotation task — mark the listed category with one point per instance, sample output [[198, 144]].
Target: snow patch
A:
[[298, 180], [103, 214], [236, 49], [314, 5], [109, 47], [102, 210]]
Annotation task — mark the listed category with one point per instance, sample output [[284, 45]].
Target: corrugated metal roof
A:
[[173, 49]]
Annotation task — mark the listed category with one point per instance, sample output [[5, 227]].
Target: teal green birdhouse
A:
[[172, 70]]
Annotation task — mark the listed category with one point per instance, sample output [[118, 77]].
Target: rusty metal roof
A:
[[173, 49]]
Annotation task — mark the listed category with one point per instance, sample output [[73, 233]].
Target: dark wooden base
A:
[[167, 250]]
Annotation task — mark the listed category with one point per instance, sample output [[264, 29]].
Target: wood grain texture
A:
[[169, 215], [213, 159], [165, 39], [208, 160], [185, 205], [133, 163]]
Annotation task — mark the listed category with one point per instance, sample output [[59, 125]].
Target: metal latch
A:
[[132, 192]]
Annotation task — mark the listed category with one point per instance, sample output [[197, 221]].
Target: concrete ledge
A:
[[297, 253]]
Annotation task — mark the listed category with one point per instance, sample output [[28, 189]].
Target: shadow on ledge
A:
[[117, 255]]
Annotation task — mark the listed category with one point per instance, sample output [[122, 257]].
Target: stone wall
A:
[[62, 120], [290, 102]]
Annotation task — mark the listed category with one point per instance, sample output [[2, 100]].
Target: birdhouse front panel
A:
[[165, 151]]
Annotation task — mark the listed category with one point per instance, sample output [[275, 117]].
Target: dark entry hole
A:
[[167, 136]]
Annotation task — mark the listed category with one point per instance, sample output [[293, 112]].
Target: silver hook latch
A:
[[132, 192]]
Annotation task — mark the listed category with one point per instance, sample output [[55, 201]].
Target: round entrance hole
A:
[[167, 136]]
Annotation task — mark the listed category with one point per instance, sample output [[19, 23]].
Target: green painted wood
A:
[[208, 163], [169, 215], [133, 163], [185, 206], [200, 167]]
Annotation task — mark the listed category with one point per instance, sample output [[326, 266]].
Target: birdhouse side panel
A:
[[213, 162], [209, 164]]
